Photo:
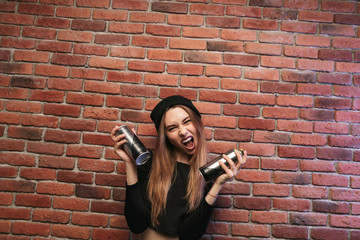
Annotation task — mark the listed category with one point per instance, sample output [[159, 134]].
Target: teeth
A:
[[187, 140]]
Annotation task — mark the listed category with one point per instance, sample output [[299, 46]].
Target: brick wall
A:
[[278, 78]]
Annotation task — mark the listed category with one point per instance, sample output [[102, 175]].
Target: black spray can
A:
[[134, 147], [212, 170]]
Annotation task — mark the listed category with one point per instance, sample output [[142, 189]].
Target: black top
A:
[[175, 221]]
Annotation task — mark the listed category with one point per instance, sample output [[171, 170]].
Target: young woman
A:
[[167, 198]]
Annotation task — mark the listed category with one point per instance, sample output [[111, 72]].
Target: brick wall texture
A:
[[278, 78]]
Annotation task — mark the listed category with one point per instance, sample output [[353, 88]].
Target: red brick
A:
[[270, 137], [313, 219], [53, 22], [126, 27], [169, 7], [229, 122], [294, 126], [38, 173], [159, 30], [185, 20], [84, 151], [348, 168], [56, 162], [336, 55], [205, 82], [85, 191], [355, 182], [54, 46], [254, 176], [309, 40], [346, 91], [244, 60], [192, 44], [8, 172], [332, 29], [280, 14], [46, 96], [223, 71], [242, 11], [102, 4], [163, 54], [282, 38], [185, 69], [344, 141], [106, 62], [296, 152], [46, 148], [15, 213], [31, 56], [73, 12], [12, 118], [333, 103], [291, 178], [338, 6], [147, 17], [347, 117], [54, 188], [261, 48], [96, 165], [40, 121], [231, 215], [20, 106], [6, 30], [97, 74], [315, 16], [263, 74], [223, 46], [70, 231], [124, 102], [86, 219], [45, 215], [304, 52], [347, 19], [17, 68], [223, 22], [139, 91], [269, 217], [236, 84], [271, 190], [241, 34], [75, 204], [282, 62], [18, 43], [291, 204], [254, 123], [61, 110], [99, 233], [308, 139], [36, 9], [200, 32], [16, 158], [88, 49], [334, 153], [205, 9], [75, 36], [131, 5], [276, 112], [146, 66], [62, 136], [334, 128], [29, 228], [107, 207], [329, 180], [260, 24], [329, 233], [344, 221], [215, 96], [309, 192], [317, 114], [256, 230], [111, 15], [345, 42], [290, 76], [330, 207], [252, 203], [8, 6], [42, 33], [278, 164], [288, 232], [344, 194]]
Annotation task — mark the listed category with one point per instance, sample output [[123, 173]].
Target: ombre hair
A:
[[163, 168]]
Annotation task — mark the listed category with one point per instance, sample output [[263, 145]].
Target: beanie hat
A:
[[164, 104]]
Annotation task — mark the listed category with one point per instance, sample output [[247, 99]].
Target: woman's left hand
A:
[[233, 169]]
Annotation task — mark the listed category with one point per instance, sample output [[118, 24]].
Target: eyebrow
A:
[[172, 125]]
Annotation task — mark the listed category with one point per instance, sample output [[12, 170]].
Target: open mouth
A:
[[188, 143]]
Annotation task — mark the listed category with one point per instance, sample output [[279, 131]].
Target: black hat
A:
[[164, 104]]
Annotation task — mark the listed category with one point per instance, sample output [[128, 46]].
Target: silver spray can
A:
[[134, 147], [212, 170]]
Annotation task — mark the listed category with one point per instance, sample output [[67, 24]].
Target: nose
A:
[[183, 131]]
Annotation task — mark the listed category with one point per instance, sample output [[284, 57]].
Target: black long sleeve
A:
[[175, 221]]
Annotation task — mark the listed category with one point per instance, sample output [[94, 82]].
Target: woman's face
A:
[[180, 130]]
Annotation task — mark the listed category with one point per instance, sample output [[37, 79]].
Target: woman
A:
[[167, 198]]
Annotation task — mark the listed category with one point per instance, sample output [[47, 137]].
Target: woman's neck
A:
[[182, 157]]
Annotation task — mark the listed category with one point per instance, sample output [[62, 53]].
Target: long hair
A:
[[163, 167]]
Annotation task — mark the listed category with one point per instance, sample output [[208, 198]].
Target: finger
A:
[[229, 172], [113, 132], [229, 161]]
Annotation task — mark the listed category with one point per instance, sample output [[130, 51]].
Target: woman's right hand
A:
[[130, 165], [119, 141]]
